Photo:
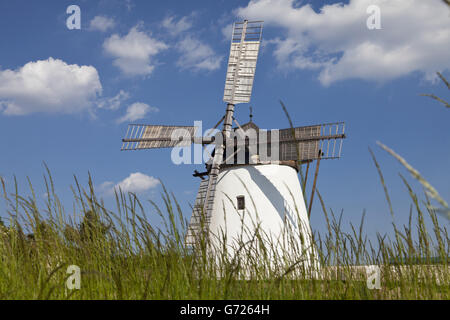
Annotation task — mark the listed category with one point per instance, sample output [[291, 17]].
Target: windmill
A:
[[252, 171]]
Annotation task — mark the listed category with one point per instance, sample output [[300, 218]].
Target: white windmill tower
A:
[[251, 183]]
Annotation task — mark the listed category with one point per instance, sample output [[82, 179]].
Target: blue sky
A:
[[66, 96]]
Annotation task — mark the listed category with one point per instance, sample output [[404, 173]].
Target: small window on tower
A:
[[241, 202]]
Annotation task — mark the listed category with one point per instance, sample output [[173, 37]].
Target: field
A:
[[96, 253], [91, 251], [122, 256]]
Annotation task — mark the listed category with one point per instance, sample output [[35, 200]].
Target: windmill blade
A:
[[208, 202], [202, 212], [140, 136], [303, 146], [204, 203], [308, 140], [245, 42], [197, 224]]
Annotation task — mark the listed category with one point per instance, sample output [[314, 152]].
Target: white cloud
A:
[[101, 23], [115, 102], [415, 36], [197, 55], [136, 111], [49, 86], [226, 31], [136, 182], [107, 187], [177, 27], [133, 52], [129, 4]]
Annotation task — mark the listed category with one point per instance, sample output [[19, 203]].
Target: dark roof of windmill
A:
[[249, 125], [245, 127]]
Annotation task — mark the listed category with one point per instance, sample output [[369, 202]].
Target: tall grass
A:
[[123, 256]]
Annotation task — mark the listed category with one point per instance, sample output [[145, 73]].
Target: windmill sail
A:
[[303, 145], [199, 223], [140, 136], [306, 142], [245, 42]]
